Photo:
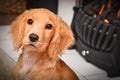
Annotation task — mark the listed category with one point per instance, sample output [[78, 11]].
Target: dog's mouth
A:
[[32, 45], [35, 44]]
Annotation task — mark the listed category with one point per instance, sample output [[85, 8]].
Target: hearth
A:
[[96, 25]]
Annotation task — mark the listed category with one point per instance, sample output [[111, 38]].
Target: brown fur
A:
[[40, 60]]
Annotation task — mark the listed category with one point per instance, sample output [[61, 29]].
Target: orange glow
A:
[[118, 14], [106, 21], [109, 4], [100, 12], [102, 8]]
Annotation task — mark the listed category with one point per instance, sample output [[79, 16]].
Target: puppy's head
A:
[[42, 30]]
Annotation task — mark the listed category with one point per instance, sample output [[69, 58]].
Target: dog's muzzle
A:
[[33, 37]]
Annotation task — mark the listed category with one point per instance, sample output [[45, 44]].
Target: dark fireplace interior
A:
[[106, 14], [106, 10]]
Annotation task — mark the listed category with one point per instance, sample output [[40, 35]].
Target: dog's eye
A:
[[30, 21], [48, 26]]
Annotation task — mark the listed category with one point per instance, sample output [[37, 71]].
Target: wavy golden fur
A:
[[50, 37]]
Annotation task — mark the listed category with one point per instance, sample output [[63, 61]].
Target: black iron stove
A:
[[98, 33]]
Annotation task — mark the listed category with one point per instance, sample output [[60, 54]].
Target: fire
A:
[[106, 20], [108, 8], [102, 9], [109, 4], [118, 14], [100, 12]]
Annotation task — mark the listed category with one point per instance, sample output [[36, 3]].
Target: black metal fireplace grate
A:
[[95, 33], [97, 41]]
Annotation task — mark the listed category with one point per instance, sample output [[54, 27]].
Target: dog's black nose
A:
[[33, 37]]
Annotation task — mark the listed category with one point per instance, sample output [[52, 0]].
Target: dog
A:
[[42, 36]]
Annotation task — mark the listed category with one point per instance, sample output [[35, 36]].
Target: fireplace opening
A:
[[106, 10], [101, 19]]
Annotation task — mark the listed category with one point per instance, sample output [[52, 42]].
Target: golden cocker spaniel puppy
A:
[[43, 36]]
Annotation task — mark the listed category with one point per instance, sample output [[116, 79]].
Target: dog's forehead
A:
[[43, 13]]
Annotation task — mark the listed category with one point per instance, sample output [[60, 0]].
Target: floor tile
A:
[[6, 42], [4, 32], [100, 77]]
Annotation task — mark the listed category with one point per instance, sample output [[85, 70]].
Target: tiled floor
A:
[[84, 70]]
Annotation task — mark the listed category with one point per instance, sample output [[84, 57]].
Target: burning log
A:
[[106, 10]]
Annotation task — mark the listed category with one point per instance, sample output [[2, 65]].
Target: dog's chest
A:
[[30, 63], [29, 59]]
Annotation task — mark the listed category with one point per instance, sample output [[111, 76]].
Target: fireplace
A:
[[96, 26]]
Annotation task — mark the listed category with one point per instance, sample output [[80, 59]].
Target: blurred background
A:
[[9, 9]]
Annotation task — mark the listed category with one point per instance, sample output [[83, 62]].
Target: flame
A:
[[101, 10], [118, 14], [103, 7], [106, 20], [109, 4]]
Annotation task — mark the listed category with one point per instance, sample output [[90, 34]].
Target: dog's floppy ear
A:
[[17, 31], [63, 38]]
